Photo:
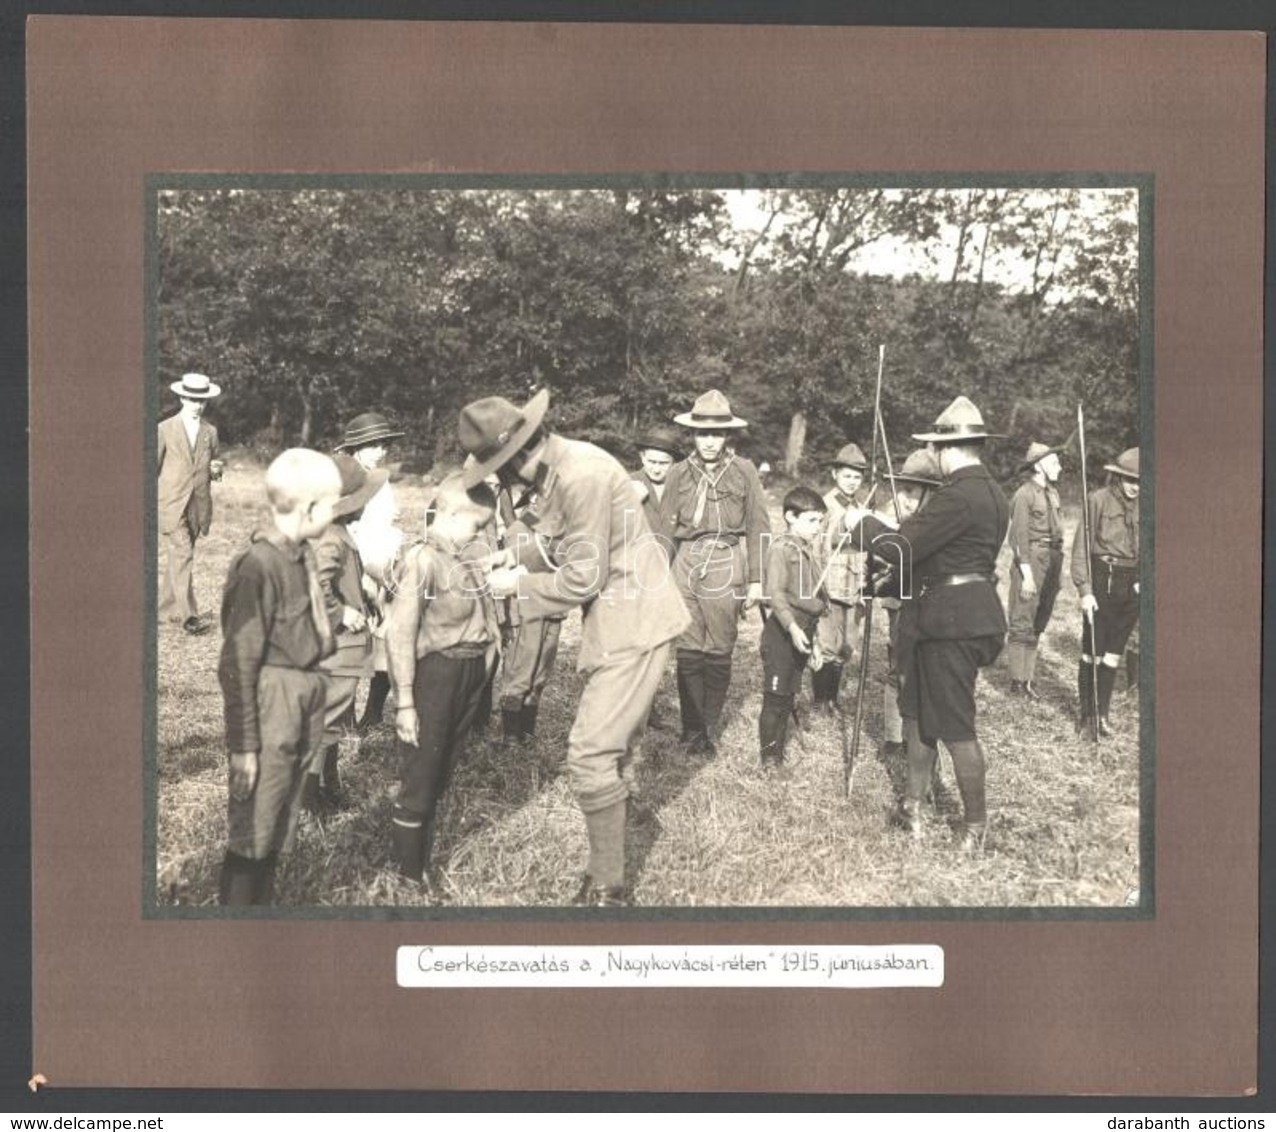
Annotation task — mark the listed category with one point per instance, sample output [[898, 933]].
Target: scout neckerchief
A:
[[708, 480]]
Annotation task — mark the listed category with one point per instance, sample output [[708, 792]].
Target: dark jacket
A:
[[958, 532]]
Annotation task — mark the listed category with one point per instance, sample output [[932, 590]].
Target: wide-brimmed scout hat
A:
[[493, 429], [662, 440], [711, 410], [1036, 451], [365, 429], [195, 386], [358, 485], [850, 456], [920, 467], [958, 423], [1127, 464]]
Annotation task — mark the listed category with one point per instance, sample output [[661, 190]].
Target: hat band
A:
[[959, 429], [378, 433], [711, 417]]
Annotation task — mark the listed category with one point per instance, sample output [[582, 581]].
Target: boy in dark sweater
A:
[[796, 606], [440, 630], [275, 631]]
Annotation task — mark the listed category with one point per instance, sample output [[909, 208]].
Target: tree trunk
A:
[[307, 415], [797, 442]]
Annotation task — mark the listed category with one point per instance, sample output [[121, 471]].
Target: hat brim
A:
[[955, 437], [643, 443], [349, 504], [1026, 464], [924, 481], [1123, 472], [533, 413], [688, 420], [349, 445], [191, 394]]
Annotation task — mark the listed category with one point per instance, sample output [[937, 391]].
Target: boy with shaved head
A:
[[275, 631]]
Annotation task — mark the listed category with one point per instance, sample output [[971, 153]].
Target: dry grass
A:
[[1063, 832]]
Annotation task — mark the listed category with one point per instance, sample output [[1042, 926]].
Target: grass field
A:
[[1063, 814]]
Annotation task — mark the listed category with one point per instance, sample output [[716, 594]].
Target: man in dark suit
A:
[[954, 623], [187, 463]]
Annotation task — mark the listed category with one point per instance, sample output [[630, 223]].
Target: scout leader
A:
[[1109, 585], [1036, 541], [589, 553], [842, 566], [955, 624], [714, 514]]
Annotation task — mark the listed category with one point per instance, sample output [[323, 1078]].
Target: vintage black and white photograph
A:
[[648, 544]]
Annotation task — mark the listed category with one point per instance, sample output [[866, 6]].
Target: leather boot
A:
[[237, 884], [606, 829], [530, 712], [311, 796], [1107, 678], [832, 673], [265, 880], [772, 728], [593, 895], [408, 844], [717, 679], [330, 788], [968, 766], [512, 725], [691, 693]]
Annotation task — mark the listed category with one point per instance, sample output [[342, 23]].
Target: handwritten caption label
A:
[[884, 965]]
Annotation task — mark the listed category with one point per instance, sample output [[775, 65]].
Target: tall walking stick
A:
[[1089, 616], [878, 427]]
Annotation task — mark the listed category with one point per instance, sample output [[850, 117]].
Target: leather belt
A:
[[1117, 563], [717, 539], [956, 580]]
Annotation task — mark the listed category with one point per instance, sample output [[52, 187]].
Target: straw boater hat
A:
[[1035, 453], [365, 429], [1127, 464], [919, 468], [358, 485], [195, 386], [493, 429], [711, 410], [662, 440], [957, 424], [850, 456]]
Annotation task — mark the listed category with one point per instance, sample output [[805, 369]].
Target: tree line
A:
[[309, 306]]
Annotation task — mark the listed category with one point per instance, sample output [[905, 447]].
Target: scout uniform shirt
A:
[[588, 554], [1034, 519], [791, 576], [725, 499], [841, 554], [1114, 535], [439, 604]]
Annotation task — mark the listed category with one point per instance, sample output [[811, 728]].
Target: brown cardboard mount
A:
[[1163, 1005]]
